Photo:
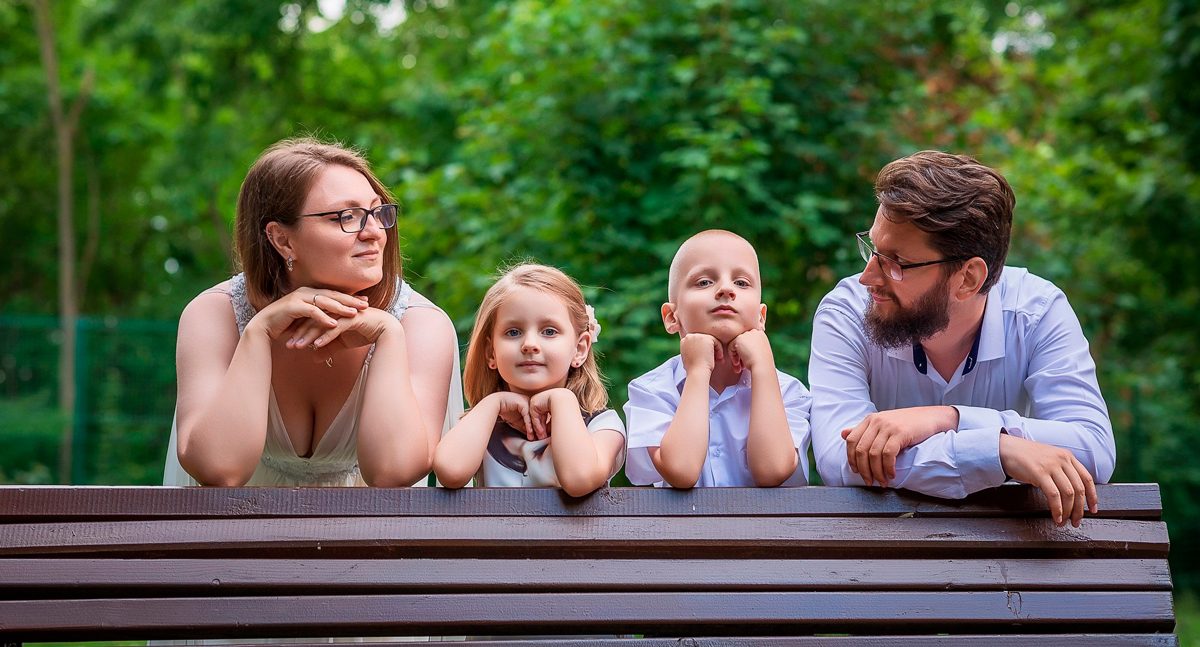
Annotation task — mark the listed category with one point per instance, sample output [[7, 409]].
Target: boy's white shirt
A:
[[654, 399]]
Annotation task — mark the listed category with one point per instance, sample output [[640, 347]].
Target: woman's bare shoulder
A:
[[425, 310], [212, 306], [426, 321], [224, 287], [417, 297]]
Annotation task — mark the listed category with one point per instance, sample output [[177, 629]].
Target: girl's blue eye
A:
[[550, 332], [512, 332]]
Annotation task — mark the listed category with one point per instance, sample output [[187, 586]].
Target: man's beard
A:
[[909, 326]]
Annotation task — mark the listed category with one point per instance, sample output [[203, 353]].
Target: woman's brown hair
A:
[[964, 206], [274, 191], [480, 381]]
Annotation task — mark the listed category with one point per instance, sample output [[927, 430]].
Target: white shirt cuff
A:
[[970, 418], [978, 456]]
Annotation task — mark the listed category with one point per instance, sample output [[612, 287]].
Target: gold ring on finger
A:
[[314, 299]]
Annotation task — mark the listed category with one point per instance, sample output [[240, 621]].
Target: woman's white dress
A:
[[334, 461]]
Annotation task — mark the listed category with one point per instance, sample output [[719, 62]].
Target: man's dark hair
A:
[[964, 206]]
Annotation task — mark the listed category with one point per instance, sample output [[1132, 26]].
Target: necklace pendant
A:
[[329, 361]]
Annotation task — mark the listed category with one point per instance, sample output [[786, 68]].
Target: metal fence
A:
[[125, 386]]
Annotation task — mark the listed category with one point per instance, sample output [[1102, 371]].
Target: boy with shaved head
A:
[[719, 414]]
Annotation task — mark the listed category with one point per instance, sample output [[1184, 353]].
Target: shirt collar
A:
[[991, 333], [922, 362], [679, 374], [989, 342]]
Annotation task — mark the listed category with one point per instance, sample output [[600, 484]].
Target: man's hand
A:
[[1061, 477], [751, 350], [872, 446], [700, 352]]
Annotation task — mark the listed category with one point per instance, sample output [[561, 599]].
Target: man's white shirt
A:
[[1030, 374]]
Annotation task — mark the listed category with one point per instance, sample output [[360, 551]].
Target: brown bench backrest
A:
[[103, 563]]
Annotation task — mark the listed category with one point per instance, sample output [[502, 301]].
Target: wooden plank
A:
[[558, 613], [80, 578], [74, 503], [1020, 640], [575, 537]]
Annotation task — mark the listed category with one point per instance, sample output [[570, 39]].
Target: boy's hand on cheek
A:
[[700, 352], [751, 350]]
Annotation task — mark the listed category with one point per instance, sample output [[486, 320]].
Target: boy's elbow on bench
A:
[[776, 474], [682, 480]]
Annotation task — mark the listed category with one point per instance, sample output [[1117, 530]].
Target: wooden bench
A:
[[779, 567]]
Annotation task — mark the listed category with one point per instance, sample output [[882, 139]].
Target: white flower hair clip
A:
[[593, 326]]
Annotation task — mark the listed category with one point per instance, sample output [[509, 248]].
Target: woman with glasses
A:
[[318, 364]]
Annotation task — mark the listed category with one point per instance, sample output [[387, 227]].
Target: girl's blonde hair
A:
[[480, 381]]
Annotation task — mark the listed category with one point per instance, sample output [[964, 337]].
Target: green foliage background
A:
[[595, 136]]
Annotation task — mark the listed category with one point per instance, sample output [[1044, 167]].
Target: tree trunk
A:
[[68, 304], [91, 244], [222, 229]]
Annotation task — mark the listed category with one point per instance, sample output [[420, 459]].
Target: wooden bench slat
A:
[[77, 578], [59, 503], [1009, 640], [574, 537], [559, 613]]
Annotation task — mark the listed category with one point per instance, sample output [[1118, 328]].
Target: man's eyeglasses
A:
[[354, 219], [891, 267]]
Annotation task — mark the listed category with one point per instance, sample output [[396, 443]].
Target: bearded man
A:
[[941, 371]]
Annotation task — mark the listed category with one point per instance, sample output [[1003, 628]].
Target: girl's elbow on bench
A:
[[580, 485], [450, 476]]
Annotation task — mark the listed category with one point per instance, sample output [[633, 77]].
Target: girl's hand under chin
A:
[[514, 410], [540, 407]]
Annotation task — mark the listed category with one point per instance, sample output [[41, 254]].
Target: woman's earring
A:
[[289, 263]]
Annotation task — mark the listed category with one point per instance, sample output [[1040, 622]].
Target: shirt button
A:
[[716, 452]]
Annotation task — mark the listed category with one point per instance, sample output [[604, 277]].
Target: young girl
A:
[[538, 414]]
